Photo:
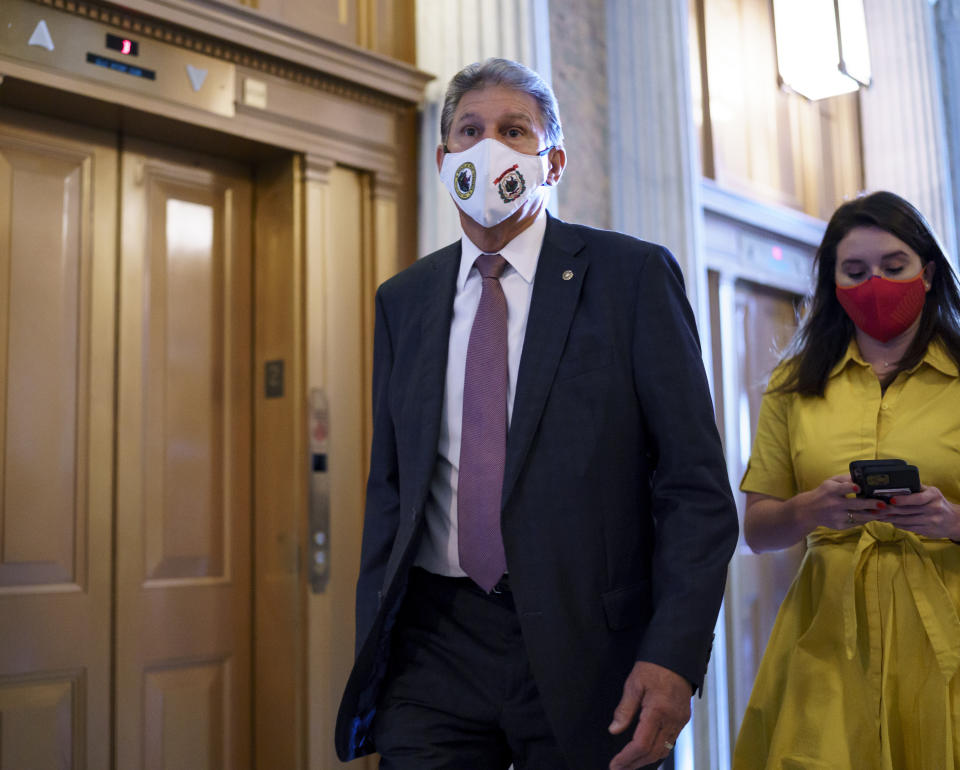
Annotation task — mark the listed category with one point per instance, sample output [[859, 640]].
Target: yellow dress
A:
[[860, 672]]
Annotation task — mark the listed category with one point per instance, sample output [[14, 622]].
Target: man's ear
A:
[[557, 158], [440, 154]]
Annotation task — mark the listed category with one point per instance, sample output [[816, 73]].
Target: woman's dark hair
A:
[[825, 331]]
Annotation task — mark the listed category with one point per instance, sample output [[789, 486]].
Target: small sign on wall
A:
[[273, 379]]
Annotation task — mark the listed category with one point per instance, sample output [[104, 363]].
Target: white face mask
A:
[[490, 180]]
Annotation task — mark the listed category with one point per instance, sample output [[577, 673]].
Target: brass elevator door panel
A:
[[183, 622], [765, 320], [57, 263]]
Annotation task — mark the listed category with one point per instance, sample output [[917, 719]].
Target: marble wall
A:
[[578, 52]]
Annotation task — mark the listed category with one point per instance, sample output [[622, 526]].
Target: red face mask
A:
[[883, 308]]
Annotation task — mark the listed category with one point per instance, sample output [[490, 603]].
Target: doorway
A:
[[126, 419], [752, 323]]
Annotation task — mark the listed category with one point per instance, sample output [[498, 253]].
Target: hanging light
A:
[[821, 46]]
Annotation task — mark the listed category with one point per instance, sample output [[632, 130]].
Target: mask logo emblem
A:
[[510, 184], [465, 180]]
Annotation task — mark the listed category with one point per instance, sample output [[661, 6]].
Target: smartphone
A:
[[883, 479]]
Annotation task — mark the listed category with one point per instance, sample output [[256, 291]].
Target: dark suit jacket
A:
[[617, 516]]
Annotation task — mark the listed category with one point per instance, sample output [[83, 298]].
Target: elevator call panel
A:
[[59, 42]]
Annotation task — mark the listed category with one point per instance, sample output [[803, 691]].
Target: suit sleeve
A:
[[383, 498], [694, 514]]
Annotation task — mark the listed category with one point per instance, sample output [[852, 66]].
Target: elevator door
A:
[[125, 421], [183, 590], [57, 271], [759, 323]]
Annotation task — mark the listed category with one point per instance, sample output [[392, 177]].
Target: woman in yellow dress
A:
[[860, 671]]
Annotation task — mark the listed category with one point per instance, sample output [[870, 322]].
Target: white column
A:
[[655, 163], [451, 35], [655, 195], [948, 42], [902, 112]]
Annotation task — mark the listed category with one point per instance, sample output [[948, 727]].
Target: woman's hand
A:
[[926, 513], [771, 524], [829, 505]]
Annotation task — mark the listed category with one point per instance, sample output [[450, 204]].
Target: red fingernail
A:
[[883, 505], [856, 489], [893, 501]]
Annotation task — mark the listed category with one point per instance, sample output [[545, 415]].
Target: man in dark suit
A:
[[548, 518]]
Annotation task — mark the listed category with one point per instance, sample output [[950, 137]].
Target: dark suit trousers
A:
[[459, 694]]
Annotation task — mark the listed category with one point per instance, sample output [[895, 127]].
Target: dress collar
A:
[[936, 356]]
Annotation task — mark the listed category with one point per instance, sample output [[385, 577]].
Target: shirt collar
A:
[[852, 354], [521, 253], [936, 356]]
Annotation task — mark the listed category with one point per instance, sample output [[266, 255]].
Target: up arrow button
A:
[[41, 36], [197, 76]]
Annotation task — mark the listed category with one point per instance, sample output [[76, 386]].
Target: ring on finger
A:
[[668, 745], [850, 518]]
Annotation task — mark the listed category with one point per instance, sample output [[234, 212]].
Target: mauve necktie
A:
[[483, 440]]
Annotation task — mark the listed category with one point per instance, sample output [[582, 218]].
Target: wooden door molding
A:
[[279, 469]]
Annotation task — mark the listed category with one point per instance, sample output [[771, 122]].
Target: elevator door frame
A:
[[770, 247]]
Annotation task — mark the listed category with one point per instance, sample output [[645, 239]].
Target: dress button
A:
[[884, 407]]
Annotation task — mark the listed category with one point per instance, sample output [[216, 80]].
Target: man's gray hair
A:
[[503, 72]]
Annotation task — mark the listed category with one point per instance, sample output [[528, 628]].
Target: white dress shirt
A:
[[438, 550]]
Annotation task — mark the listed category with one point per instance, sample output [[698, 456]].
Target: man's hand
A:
[[663, 699]]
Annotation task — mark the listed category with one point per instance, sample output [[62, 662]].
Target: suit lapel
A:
[[556, 289], [426, 397]]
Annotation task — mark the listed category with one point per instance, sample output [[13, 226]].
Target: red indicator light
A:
[[124, 45]]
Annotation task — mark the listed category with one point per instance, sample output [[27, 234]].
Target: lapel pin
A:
[[567, 275]]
